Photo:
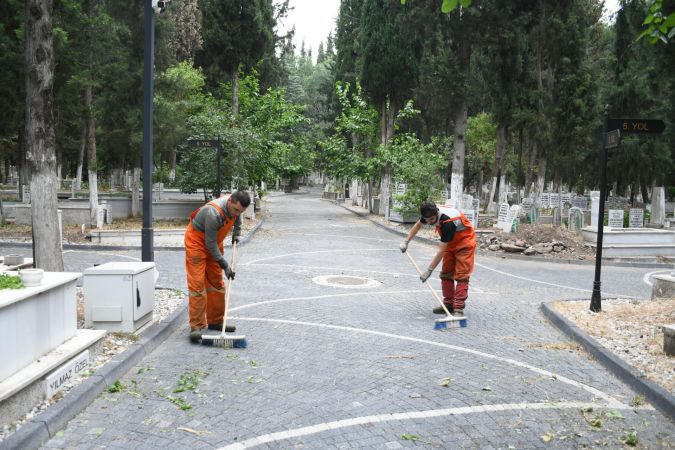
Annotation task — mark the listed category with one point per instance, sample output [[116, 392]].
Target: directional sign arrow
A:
[[638, 126]]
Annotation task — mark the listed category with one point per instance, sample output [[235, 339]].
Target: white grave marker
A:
[[615, 218], [636, 218]]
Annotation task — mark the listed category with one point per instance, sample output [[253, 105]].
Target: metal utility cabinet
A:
[[119, 296]]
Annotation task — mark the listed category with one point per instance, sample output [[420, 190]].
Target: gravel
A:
[[166, 302]]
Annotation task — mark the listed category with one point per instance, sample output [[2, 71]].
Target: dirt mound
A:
[[543, 240]]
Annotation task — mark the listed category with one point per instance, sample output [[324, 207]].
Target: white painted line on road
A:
[[390, 417], [595, 392], [549, 284], [650, 274], [316, 297], [99, 253]]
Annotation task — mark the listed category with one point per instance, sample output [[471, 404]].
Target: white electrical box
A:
[[119, 296]]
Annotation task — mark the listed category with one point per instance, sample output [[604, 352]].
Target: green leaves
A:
[[10, 282], [661, 28]]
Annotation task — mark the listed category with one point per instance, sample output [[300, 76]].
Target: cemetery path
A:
[[342, 354]]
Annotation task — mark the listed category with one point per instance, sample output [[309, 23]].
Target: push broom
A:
[[449, 321], [223, 340]]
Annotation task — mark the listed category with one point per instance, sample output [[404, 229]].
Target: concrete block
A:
[[669, 339], [664, 286]]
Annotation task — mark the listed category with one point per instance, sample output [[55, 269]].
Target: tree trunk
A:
[[541, 179], [80, 157], [40, 137], [172, 165], [500, 152], [91, 154], [136, 191], [457, 177], [235, 92], [529, 173]]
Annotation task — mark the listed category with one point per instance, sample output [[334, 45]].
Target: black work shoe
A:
[[219, 327], [196, 335], [440, 310]]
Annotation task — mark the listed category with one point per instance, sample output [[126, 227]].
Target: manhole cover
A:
[[345, 281]]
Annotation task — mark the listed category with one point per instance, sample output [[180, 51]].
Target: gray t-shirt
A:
[[209, 221]]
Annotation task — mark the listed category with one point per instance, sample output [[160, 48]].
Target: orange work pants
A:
[[206, 288], [458, 265]]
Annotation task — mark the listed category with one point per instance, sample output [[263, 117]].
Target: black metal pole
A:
[[147, 250], [596, 302], [219, 153]]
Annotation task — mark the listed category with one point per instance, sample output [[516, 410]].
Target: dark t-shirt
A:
[[447, 230]]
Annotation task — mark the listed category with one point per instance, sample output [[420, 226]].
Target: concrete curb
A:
[[659, 397], [516, 256], [45, 426], [244, 240]]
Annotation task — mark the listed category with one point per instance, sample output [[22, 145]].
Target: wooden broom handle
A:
[[433, 291], [229, 286]]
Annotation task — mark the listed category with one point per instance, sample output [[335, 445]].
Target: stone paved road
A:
[[360, 366]]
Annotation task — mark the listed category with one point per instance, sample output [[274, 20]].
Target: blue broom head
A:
[[445, 324], [234, 342], [440, 326]]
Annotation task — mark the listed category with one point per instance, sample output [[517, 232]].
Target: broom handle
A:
[[229, 287], [433, 291]]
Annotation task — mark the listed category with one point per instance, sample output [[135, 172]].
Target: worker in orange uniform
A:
[[204, 261], [457, 249]]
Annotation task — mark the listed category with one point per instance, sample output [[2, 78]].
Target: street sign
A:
[[612, 139], [639, 126], [203, 143]]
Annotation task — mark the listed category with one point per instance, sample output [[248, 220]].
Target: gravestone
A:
[[512, 217], [502, 217], [475, 205], [615, 218], [636, 218], [472, 216], [25, 193], [544, 200], [580, 202], [567, 198], [575, 219], [595, 208], [554, 199]]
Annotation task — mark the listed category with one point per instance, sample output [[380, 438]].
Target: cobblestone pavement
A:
[[332, 363]]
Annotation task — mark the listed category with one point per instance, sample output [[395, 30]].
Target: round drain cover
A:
[[345, 281]]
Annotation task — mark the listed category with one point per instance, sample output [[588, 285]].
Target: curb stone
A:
[[45, 426], [658, 396], [516, 256]]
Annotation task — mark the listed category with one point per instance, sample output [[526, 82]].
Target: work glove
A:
[[235, 239], [425, 275], [229, 273], [403, 246]]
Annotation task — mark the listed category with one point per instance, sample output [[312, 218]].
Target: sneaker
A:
[[196, 335], [440, 310], [458, 313], [219, 327]]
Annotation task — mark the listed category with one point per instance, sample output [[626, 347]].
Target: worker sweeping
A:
[[457, 249], [205, 263]]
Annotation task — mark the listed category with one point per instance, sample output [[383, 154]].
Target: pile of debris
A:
[[543, 240]]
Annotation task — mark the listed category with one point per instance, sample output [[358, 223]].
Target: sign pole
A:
[[147, 250], [219, 152], [596, 302]]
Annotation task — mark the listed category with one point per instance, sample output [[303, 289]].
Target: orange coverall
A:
[[206, 287], [458, 259]]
